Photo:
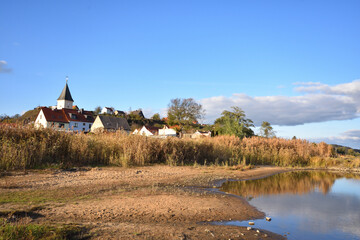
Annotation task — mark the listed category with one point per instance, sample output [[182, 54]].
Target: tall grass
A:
[[22, 148]]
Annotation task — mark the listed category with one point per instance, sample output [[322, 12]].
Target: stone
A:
[[249, 228], [268, 219], [251, 223]]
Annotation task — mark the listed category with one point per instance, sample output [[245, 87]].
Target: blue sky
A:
[[292, 63]]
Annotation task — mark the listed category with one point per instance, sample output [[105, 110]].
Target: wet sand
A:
[[154, 202]]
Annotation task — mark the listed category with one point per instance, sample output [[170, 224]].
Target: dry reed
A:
[[23, 148]]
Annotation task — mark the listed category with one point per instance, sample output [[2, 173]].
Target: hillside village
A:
[[66, 116]]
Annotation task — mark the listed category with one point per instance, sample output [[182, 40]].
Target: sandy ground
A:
[[155, 202]]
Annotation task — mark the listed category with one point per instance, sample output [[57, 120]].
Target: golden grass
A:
[[22, 148]]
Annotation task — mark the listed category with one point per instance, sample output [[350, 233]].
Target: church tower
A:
[[65, 100]]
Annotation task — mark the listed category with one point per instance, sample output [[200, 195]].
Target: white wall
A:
[[167, 132], [106, 110], [64, 104], [144, 132], [97, 125], [80, 126], [40, 120]]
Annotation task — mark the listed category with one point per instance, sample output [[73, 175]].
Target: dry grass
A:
[[22, 148]]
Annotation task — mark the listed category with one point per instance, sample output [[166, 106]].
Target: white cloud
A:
[[3, 68], [319, 103]]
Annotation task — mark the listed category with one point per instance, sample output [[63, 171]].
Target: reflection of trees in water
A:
[[283, 183]]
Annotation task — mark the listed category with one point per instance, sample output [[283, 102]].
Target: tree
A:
[[266, 130], [156, 116], [184, 111], [97, 110], [234, 123]]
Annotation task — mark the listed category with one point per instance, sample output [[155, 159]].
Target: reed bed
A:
[[25, 147]]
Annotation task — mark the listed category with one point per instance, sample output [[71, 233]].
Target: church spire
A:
[[65, 94]]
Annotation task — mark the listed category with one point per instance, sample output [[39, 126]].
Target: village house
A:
[[120, 113], [107, 110], [63, 117], [147, 131], [110, 124], [138, 113], [168, 132], [200, 134]]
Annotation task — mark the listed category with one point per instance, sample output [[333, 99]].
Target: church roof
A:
[[65, 94]]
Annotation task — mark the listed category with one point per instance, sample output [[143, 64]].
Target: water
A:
[[304, 205]]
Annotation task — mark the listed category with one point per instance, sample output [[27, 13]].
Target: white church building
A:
[[64, 117]]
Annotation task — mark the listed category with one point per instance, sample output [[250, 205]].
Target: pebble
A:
[[249, 228], [251, 223]]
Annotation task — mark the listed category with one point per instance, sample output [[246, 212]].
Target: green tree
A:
[[234, 123], [266, 130], [184, 111], [156, 116], [97, 110]]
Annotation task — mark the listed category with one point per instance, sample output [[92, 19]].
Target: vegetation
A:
[[234, 123], [346, 150], [156, 116], [184, 111], [27, 117], [266, 130], [97, 110], [36, 231], [24, 148]]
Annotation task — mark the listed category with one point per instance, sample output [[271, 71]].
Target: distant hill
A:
[[27, 117], [344, 150]]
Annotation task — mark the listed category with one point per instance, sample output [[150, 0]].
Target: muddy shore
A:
[[155, 202]]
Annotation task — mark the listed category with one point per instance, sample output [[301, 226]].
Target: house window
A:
[[76, 125], [83, 124], [89, 125]]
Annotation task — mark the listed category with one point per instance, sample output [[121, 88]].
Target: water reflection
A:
[[309, 205], [285, 183]]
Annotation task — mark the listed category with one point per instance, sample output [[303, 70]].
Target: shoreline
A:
[[151, 202]]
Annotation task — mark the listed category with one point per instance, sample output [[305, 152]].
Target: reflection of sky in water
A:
[[346, 186], [315, 215]]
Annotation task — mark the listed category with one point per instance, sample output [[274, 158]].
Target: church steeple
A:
[[65, 100]]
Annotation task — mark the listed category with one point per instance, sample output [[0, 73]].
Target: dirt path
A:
[[156, 202]]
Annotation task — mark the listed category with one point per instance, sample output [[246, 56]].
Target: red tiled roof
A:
[[54, 115], [64, 115], [80, 117]]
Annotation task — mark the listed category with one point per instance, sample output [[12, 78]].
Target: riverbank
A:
[[154, 202]]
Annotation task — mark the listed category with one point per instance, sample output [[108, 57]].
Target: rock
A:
[[268, 219], [249, 228], [265, 235], [251, 223], [258, 231], [208, 231]]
